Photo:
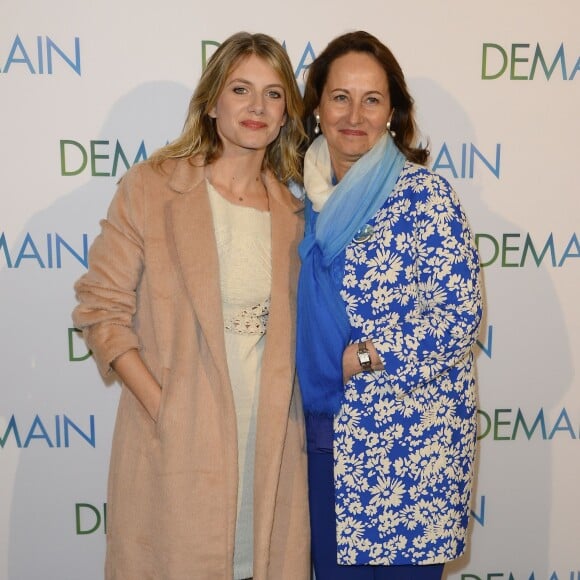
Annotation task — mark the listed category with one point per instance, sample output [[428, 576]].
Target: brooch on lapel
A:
[[364, 234]]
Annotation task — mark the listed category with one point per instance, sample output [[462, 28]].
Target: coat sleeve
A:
[[107, 293], [440, 285]]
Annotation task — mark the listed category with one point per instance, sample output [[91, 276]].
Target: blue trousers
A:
[[323, 530]]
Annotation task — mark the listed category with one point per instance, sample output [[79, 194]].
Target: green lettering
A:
[[94, 156], [94, 510], [71, 354], [483, 416], [63, 169], [515, 60], [497, 424], [204, 45], [495, 245], [502, 52], [505, 249]]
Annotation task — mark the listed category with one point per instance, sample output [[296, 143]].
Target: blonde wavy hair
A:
[[199, 136]]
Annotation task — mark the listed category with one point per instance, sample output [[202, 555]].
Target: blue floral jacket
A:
[[404, 438]]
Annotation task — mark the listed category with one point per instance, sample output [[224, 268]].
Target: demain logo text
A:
[[518, 250], [528, 62], [56, 431], [518, 424], [40, 55], [45, 251]]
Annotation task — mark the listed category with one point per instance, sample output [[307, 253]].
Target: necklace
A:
[[253, 198], [241, 197]]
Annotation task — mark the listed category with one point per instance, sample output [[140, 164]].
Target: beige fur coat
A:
[[152, 284]]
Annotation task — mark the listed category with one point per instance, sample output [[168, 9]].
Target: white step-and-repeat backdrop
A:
[[89, 88]]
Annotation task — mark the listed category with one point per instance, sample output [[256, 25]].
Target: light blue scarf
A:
[[323, 329]]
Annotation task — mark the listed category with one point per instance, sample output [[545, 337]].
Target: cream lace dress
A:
[[244, 249]]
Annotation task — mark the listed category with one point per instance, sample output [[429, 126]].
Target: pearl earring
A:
[[317, 126], [392, 132]]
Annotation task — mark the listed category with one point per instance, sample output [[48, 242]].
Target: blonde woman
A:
[[190, 299]]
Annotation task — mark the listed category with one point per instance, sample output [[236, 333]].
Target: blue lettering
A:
[[89, 438], [75, 65], [563, 417], [464, 165], [539, 57], [119, 153], [83, 259], [529, 245], [46, 51], [53, 257], [480, 517], [520, 420], [37, 423], [12, 427], [573, 243], [474, 151], [22, 254], [438, 165], [487, 347], [64, 428], [572, 76], [4, 248], [308, 52], [24, 58]]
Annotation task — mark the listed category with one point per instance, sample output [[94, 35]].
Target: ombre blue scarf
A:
[[323, 330]]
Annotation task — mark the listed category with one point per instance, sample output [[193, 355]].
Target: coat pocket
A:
[[164, 382]]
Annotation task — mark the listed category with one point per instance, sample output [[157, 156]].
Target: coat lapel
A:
[[278, 362], [277, 374]]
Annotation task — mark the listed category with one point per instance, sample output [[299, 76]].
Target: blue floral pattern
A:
[[404, 438]]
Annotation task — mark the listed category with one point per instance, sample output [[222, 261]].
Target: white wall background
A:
[[138, 64]]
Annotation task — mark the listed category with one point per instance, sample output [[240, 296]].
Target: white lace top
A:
[[244, 249]]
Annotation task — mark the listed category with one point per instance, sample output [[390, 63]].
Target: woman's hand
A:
[[139, 380], [351, 364]]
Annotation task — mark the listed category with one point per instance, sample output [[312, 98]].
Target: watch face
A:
[[364, 358]]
